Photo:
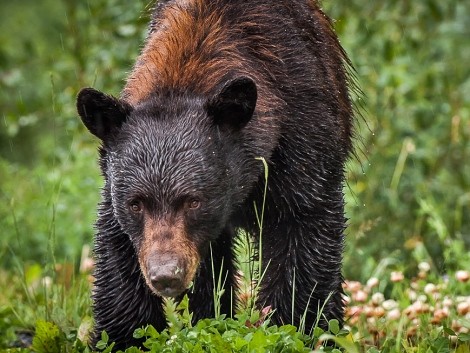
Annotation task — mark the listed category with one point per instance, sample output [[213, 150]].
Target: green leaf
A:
[[47, 338], [449, 331], [345, 342], [333, 326], [464, 337], [101, 345], [259, 340], [104, 337], [109, 348], [317, 332], [139, 333]]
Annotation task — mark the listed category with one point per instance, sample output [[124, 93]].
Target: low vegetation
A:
[[388, 313]]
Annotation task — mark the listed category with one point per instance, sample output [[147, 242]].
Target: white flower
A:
[[429, 288], [447, 302], [372, 282], [463, 308], [396, 276], [390, 304], [394, 314], [462, 276], [377, 298], [360, 296], [424, 266]]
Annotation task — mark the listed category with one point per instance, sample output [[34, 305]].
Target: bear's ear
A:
[[234, 104], [103, 115]]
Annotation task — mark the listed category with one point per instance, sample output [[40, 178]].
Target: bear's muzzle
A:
[[166, 276]]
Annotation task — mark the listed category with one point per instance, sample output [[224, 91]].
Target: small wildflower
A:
[[87, 264], [424, 266], [463, 308], [430, 288], [390, 304], [465, 328], [394, 314], [439, 315], [418, 307], [354, 314], [447, 302], [372, 322], [360, 296], [379, 311], [422, 298], [396, 276], [372, 282], [455, 325], [355, 310], [377, 298], [462, 276], [411, 331], [352, 286], [411, 294], [369, 311]]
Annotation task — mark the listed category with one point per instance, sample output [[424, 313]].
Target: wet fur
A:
[[302, 126]]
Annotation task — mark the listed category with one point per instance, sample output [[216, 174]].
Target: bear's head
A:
[[174, 171]]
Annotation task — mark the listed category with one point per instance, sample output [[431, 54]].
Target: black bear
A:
[[218, 84]]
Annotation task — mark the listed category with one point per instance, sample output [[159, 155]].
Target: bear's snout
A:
[[167, 277], [168, 257]]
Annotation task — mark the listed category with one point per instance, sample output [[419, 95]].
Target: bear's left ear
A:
[[103, 115], [234, 104]]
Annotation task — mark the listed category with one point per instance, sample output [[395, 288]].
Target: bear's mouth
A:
[[168, 276], [169, 292]]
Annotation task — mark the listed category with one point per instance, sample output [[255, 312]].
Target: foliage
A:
[[409, 183], [244, 334], [53, 303], [49, 185], [373, 325]]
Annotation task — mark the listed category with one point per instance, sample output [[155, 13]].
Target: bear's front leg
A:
[[201, 297], [302, 280]]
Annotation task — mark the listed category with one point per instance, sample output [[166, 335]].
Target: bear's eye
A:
[[136, 206], [194, 204]]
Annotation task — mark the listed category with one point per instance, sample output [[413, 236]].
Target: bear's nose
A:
[[167, 279]]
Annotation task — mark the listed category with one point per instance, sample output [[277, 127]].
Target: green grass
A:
[[389, 313]]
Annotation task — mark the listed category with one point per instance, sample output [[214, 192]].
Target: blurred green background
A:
[[408, 190]]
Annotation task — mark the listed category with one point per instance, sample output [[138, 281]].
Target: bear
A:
[[218, 85]]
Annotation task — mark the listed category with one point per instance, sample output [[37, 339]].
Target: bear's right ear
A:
[[103, 115]]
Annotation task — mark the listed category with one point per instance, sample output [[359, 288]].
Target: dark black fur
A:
[[180, 142]]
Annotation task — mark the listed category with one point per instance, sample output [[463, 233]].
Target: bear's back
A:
[[193, 45]]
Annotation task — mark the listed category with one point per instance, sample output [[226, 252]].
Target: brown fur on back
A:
[[191, 48], [194, 45]]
